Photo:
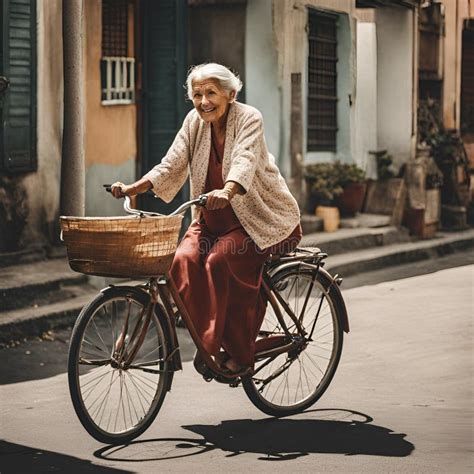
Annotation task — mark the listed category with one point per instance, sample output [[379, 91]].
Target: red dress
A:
[[217, 270]]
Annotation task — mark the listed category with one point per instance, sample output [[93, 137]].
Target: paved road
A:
[[401, 402]]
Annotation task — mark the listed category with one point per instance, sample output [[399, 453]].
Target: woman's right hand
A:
[[120, 190]]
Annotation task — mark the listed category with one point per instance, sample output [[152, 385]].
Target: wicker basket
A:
[[121, 246]]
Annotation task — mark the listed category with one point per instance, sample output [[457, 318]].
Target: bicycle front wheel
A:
[[113, 403], [293, 381]]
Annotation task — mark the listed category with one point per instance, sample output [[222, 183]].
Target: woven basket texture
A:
[[121, 247]]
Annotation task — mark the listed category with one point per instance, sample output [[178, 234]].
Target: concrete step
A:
[[399, 253], [33, 321], [349, 240], [30, 284]]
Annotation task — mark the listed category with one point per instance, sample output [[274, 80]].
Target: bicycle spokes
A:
[[120, 362]]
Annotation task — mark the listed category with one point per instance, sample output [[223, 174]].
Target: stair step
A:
[[27, 285], [370, 259], [348, 240]]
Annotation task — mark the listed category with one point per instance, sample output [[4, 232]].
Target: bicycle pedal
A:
[[208, 377]]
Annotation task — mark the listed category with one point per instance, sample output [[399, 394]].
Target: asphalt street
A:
[[401, 401]]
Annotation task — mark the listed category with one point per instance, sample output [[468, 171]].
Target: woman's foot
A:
[[221, 358], [233, 367]]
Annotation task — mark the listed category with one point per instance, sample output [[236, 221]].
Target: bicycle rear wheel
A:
[[293, 381], [116, 404]]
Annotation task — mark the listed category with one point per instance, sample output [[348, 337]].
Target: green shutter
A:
[[19, 102], [164, 73]]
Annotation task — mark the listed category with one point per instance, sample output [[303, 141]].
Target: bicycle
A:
[[124, 349]]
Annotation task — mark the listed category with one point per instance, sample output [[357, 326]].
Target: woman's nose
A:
[[204, 100]]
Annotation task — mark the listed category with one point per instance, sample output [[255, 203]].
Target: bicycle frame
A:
[[164, 288]]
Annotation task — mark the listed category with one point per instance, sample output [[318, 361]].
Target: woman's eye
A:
[[196, 95]]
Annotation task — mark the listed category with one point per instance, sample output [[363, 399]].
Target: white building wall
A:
[[261, 65], [395, 82], [365, 133]]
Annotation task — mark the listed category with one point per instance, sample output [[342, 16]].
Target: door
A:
[[163, 106], [18, 86]]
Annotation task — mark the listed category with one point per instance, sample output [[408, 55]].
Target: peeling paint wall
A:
[[42, 186]]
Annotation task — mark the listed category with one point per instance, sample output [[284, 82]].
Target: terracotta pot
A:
[[352, 199], [330, 217]]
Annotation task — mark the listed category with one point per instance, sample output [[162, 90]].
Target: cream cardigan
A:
[[267, 211]]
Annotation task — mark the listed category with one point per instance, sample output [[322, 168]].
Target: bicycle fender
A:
[[329, 283], [170, 332]]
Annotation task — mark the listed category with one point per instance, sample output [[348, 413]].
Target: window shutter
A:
[[18, 65], [322, 82]]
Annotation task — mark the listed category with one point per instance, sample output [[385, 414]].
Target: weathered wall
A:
[[261, 78], [110, 131], [42, 187], [290, 19], [395, 82]]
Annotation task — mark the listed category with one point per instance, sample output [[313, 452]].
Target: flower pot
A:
[[330, 216], [352, 198]]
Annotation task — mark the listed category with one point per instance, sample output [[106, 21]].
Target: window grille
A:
[[118, 80], [115, 28], [117, 70], [322, 82]]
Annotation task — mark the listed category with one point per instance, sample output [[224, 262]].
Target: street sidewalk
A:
[[43, 295]]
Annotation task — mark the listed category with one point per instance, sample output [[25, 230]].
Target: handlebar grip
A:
[[107, 187], [202, 200]]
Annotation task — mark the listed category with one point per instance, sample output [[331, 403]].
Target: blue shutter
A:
[[18, 64]]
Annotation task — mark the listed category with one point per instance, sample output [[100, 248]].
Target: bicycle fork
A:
[[123, 356]]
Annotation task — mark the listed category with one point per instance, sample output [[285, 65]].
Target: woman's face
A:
[[210, 100]]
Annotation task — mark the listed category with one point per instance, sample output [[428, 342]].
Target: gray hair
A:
[[227, 79]]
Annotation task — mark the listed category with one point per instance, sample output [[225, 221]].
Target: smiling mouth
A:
[[208, 110]]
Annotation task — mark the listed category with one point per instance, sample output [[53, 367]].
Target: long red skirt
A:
[[219, 279]]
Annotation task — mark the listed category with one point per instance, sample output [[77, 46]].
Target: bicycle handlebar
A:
[[200, 201]]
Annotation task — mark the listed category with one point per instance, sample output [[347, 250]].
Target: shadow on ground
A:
[[321, 431], [15, 458]]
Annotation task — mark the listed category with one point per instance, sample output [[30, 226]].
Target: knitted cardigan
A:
[[267, 210]]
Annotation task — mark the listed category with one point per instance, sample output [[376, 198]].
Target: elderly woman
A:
[[250, 213]]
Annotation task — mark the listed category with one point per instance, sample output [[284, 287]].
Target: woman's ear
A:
[[232, 96]]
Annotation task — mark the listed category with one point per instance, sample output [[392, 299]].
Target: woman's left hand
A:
[[218, 199]]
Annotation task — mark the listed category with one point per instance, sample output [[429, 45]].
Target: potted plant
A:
[[324, 189], [352, 180]]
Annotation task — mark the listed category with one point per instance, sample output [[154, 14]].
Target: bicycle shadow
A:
[[275, 439]]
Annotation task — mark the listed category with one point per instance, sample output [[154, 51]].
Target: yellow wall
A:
[[110, 131]]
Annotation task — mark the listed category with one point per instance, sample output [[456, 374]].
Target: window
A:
[[322, 82], [117, 69]]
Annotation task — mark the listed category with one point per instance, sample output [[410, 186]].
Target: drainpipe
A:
[[72, 164]]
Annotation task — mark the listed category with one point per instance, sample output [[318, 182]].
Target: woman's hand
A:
[[120, 190], [218, 199]]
